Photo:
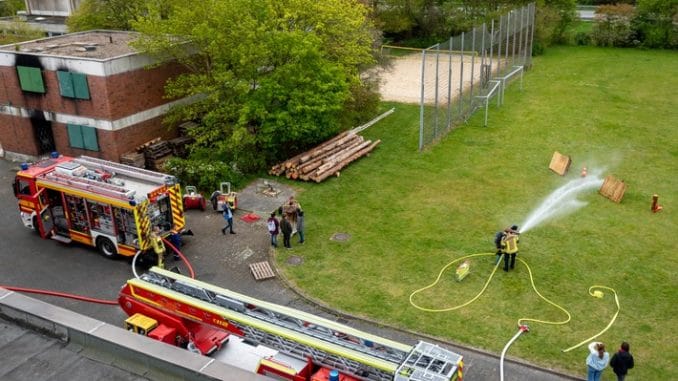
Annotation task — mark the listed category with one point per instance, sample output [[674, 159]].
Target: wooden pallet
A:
[[261, 270], [560, 163]]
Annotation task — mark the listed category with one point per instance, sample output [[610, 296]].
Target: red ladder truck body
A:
[[277, 340]]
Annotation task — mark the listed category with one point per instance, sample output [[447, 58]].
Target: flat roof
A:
[[96, 44]]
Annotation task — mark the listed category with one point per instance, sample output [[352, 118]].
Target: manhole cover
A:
[[295, 260], [341, 237]]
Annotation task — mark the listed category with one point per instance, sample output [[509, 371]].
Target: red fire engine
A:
[[270, 339], [97, 202]]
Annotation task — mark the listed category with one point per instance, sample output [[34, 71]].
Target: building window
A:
[[73, 85], [83, 137], [30, 79]]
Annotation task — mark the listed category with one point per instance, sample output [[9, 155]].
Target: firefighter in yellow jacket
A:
[[158, 246], [509, 246]]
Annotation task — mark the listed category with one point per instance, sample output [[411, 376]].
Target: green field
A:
[[409, 214]]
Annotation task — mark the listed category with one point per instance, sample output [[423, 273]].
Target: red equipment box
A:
[[164, 333]]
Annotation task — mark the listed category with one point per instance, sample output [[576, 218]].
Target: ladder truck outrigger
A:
[[99, 203], [283, 342]]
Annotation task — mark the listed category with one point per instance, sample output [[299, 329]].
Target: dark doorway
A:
[[42, 129]]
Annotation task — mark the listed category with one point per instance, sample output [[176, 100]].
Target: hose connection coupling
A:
[[524, 328]]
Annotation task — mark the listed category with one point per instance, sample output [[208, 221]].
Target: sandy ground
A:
[[401, 81]]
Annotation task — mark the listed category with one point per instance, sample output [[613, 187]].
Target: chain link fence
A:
[[465, 73]]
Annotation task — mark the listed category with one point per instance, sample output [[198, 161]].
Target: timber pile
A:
[[327, 159]]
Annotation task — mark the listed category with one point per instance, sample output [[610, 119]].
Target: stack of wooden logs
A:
[[327, 159]]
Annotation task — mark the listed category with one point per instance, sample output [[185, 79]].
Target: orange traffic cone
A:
[[655, 206], [584, 171]]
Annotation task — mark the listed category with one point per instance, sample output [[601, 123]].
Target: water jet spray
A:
[[562, 201]]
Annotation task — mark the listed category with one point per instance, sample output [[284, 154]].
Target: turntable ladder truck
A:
[[321, 344]]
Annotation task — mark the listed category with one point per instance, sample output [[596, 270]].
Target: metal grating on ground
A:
[[262, 270]]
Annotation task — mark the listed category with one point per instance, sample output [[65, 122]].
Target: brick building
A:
[[83, 93]]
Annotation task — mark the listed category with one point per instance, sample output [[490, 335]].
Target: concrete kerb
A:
[[434, 339]]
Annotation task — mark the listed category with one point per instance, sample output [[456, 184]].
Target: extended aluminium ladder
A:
[[127, 170], [366, 356], [90, 185]]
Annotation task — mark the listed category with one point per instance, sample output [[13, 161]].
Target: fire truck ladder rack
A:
[[126, 170], [300, 334], [91, 185]]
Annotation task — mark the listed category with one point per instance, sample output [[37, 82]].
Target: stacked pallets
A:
[[157, 154], [133, 158]]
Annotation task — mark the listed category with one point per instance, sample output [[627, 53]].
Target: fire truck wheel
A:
[[106, 247]]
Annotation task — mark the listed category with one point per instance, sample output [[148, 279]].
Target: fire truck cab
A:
[[96, 202]]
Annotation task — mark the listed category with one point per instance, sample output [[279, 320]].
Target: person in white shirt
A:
[[597, 361]]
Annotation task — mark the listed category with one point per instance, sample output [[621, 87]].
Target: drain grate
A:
[[295, 260], [341, 237]]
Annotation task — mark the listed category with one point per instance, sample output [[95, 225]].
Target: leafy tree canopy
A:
[[10, 7], [270, 77]]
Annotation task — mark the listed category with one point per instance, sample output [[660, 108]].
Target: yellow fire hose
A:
[[593, 291]]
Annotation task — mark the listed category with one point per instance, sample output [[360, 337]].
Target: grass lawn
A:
[[410, 213]]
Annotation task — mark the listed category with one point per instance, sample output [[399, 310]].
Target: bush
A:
[[205, 175], [553, 19], [582, 38], [613, 26], [654, 24]]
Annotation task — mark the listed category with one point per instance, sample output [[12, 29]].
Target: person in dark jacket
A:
[[499, 237], [175, 240], [622, 361], [286, 228], [300, 225]]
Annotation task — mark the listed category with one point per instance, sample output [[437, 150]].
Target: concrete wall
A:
[[114, 346]]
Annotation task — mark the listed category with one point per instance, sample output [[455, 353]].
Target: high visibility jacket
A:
[[510, 243], [158, 246]]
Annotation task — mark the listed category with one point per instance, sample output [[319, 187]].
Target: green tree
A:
[[10, 7], [269, 77], [553, 18], [656, 23], [112, 14]]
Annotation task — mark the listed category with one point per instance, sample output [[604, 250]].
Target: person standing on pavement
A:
[[158, 246], [175, 240], [597, 360], [286, 228], [273, 229], [622, 361], [228, 216], [300, 225]]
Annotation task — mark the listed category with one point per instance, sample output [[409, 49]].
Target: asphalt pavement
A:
[[222, 260]]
